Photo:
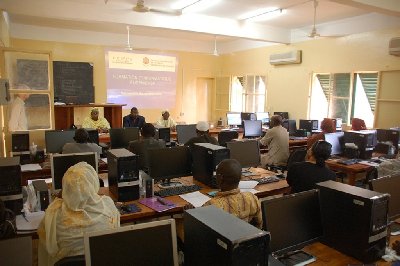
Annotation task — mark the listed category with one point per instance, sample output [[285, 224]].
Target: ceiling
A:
[[104, 22]]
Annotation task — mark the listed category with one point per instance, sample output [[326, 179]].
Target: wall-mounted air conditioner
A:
[[394, 46], [293, 57]]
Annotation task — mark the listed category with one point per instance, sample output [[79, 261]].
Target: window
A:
[[344, 95], [247, 94]]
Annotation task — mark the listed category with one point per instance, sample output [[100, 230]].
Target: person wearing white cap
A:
[[202, 128], [166, 120]]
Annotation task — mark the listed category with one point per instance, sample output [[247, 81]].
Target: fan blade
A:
[[172, 12]]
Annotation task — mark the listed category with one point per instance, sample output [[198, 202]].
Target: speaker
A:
[[4, 91], [148, 184], [42, 193]]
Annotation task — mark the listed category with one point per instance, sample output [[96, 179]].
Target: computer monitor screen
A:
[[252, 128], [247, 116], [339, 122], [120, 137], [169, 163], [293, 220], [290, 126], [247, 153], [384, 135], [20, 141], [396, 129], [185, 132], [56, 139], [263, 116], [61, 162], [93, 135], [390, 185], [336, 140], [164, 133], [149, 244], [233, 119], [308, 125], [284, 115]]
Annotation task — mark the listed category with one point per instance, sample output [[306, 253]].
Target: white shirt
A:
[[277, 141], [166, 123], [17, 116]]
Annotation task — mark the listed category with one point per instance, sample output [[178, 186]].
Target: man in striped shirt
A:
[[244, 205]]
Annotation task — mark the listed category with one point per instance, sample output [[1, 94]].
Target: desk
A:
[[64, 114], [350, 170]]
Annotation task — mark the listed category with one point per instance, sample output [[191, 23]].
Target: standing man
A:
[[18, 120], [277, 141], [134, 119], [166, 121]]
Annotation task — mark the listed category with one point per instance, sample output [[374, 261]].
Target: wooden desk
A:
[[64, 114], [350, 170]]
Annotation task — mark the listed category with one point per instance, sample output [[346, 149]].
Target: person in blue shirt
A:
[[134, 119]]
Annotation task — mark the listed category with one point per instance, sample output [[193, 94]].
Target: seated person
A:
[[82, 144], [96, 122], [327, 126], [140, 147], [202, 128], [304, 175], [81, 209], [166, 121], [7, 222], [133, 119], [358, 124], [277, 141], [243, 205]]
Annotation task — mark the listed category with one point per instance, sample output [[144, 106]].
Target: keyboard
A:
[[268, 179], [349, 161], [172, 191]]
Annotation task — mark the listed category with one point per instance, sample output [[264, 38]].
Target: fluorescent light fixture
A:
[[192, 6], [263, 14]]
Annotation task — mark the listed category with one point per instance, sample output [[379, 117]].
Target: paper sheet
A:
[[248, 184], [369, 163], [251, 190], [104, 160], [30, 167], [197, 199], [33, 222]]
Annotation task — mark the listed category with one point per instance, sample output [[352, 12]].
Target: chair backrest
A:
[[16, 251], [297, 155], [78, 260], [226, 136]]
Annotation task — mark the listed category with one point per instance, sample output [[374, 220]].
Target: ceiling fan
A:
[[215, 53], [128, 46], [142, 8], [314, 33]]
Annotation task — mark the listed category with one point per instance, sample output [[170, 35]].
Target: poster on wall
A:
[[144, 80]]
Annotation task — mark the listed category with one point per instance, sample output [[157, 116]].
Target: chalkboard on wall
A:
[[33, 73], [73, 82]]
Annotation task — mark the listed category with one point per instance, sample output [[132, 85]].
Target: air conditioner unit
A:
[[394, 46], [293, 57]]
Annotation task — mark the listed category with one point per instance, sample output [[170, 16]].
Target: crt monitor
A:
[[308, 125], [93, 135], [336, 140], [164, 133], [233, 119], [120, 137], [284, 115], [169, 163], [150, 244], [338, 123], [293, 220], [20, 141], [396, 129], [185, 132], [56, 139], [247, 152], [390, 185], [247, 116], [61, 162], [290, 126], [252, 128], [263, 116], [385, 135]]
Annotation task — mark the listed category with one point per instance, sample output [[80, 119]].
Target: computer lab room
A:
[[199, 132]]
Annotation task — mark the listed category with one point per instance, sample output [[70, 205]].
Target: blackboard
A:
[[33, 73], [73, 82]]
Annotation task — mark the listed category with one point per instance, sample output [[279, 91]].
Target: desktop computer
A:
[[354, 220], [120, 137], [20, 146], [338, 123], [264, 117], [185, 132], [247, 116], [215, 237], [290, 126], [246, 152], [163, 133], [123, 174], [308, 125], [233, 119], [206, 157], [42, 193], [284, 115], [364, 140], [388, 139], [252, 128], [10, 184]]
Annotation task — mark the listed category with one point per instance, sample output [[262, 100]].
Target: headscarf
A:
[[327, 125], [358, 124], [80, 210]]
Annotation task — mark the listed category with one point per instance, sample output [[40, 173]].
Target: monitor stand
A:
[[166, 183]]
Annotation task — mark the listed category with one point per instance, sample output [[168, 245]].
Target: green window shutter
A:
[[324, 81], [370, 83]]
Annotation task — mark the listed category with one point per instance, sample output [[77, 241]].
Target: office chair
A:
[[226, 136], [297, 155], [78, 260]]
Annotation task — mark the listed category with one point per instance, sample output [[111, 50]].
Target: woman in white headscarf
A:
[[79, 210]]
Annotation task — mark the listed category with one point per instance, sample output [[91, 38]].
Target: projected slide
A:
[[143, 80]]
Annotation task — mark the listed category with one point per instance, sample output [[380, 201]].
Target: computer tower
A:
[[215, 237], [42, 193], [206, 157], [10, 184], [354, 220], [364, 140], [123, 174]]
